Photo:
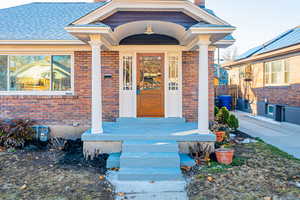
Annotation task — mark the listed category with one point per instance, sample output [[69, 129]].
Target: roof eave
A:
[[44, 42], [271, 54]]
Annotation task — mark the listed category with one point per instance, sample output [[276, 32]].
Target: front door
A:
[[150, 85]]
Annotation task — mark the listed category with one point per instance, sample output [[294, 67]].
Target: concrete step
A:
[[150, 120], [113, 160], [152, 160], [150, 174], [149, 146], [186, 160]]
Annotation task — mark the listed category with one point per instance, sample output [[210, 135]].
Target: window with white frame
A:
[[127, 73], [277, 72], [173, 73], [35, 73]]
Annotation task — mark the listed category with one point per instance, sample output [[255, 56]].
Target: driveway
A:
[[283, 135]]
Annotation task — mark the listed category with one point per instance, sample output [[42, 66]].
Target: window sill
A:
[[278, 85], [38, 95]]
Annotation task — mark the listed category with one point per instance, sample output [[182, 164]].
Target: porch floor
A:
[[175, 129]]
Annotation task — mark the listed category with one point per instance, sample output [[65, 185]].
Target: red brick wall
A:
[[65, 110], [190, 85]]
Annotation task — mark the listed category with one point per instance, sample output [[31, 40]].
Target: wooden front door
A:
[[150, 85]]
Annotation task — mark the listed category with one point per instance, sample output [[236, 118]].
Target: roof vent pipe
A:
[[200, 3]]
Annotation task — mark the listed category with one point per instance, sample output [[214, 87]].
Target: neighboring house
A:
[[268, 78], [221, 75], [75, 66]]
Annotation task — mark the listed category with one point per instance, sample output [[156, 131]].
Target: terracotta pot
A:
[[224, 156], [220, 136]]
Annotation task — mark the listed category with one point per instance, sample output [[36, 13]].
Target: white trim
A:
[[91, 30], [211, 30], [127, 100], [203, 85], [41, 42], [133, 50], [173, 98], [36, 93], [42, 93], [282, 73], [96, 87], [224, 43]]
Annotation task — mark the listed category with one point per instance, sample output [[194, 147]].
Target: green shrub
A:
[[15, 133], [233, 122], [216, 110], [222, 116]]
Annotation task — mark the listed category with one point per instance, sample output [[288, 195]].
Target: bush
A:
[[233, 122], [216, 110], [223, 115], [15, 133]]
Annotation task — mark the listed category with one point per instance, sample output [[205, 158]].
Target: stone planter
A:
[[224, 156]]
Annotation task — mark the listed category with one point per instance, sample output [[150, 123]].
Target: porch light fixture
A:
[[149, 30]]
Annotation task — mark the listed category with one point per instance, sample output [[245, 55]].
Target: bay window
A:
[[35, 73], [276, 72]]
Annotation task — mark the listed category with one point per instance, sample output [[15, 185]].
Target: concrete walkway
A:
[[283, 135]]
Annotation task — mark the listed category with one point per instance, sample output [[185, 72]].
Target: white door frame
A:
[[128, 98]]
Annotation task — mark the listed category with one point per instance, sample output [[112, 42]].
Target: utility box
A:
[[42, 133]]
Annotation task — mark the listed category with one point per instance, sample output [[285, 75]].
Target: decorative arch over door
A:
[[152, 39]]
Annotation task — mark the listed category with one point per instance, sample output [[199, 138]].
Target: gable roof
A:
[[47, 21], [286, 39], [42, 21]]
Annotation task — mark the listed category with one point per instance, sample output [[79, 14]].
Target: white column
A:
[[203, 103], [96, 88]]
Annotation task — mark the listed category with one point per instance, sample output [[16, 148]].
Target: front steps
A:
[[148, 160], [113, 161], [149, 170]]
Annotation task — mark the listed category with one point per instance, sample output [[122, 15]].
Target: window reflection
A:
[[61, 73], [28, 73], [3, 73], [151, 75]]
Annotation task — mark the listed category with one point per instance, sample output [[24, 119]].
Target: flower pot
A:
[[224, 156], [220, 136]]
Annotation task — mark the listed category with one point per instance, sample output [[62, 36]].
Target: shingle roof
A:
[[46, 21], [286, 39], [42, 21], [98, 24]]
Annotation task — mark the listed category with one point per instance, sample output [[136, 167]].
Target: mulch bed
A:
[[261, 171], [53, 174]]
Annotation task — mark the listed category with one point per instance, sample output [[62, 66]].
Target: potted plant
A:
[[220, 127], [224, 155], [233, 122], [220, 134]]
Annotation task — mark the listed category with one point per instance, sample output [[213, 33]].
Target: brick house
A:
[[89, 67], [268, 78]]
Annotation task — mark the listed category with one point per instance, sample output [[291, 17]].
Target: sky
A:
[[257, 21]]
